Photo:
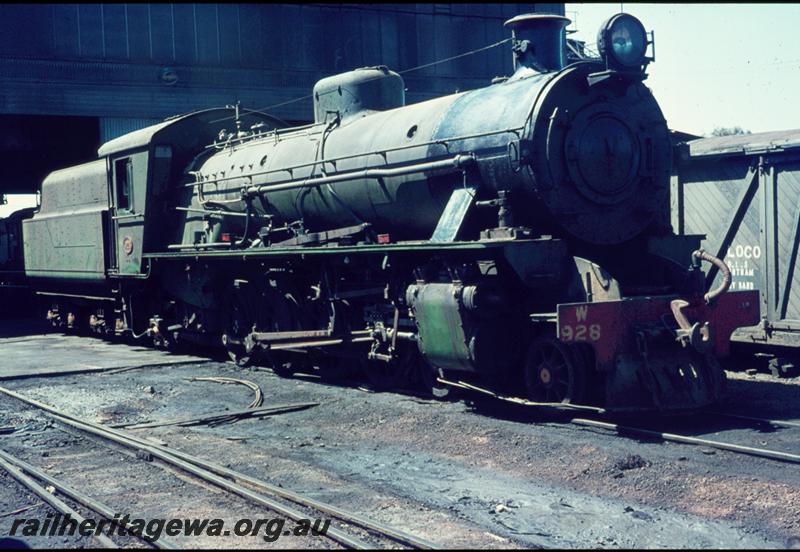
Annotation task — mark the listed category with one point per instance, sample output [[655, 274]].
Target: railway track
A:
[[688, 439], [32, 478], [359, 532], [651, 432], [356, 531]]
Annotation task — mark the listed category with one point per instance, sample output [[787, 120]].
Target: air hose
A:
[[702, 255]]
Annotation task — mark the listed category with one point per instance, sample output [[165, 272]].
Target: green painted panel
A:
[[68, 246], [64, 239], [441, 327]]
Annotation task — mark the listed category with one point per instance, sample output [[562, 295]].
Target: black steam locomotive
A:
[[516, 235]]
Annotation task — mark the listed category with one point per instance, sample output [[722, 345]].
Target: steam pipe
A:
[[456, 162]]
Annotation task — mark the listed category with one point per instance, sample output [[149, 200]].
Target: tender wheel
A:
[[76, 321], [160, 341], [553, 373]]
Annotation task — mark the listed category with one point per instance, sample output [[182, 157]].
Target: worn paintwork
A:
[[444, 337], [636, 350], [457, 228], [553, 172], [610, 326], [66, 238]]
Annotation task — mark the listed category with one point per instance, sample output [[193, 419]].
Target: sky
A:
[[717, 65]]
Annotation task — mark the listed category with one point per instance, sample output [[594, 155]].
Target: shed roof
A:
[[745, 144]]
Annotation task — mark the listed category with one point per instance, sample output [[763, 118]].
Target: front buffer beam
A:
[[637, 345]]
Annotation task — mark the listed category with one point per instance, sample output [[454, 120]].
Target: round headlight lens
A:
[[624, 39]]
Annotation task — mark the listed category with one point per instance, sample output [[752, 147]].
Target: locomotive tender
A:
[[516, 235]]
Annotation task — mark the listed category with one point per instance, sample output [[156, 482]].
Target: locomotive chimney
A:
[[538, 41]]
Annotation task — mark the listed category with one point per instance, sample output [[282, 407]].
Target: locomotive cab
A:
[[144, 167]]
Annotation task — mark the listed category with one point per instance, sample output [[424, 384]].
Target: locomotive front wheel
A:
[[553, 373]]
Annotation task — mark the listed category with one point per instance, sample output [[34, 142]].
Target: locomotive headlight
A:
[[622, 42]]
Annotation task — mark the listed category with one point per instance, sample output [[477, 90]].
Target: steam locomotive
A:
[[516, 236]]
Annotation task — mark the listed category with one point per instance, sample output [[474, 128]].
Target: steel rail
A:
[[764, 453], [169, 458], [212, 472], [754, 419], [516, 400], [57, 504], [79, 497], [219, 416], [731, 447]]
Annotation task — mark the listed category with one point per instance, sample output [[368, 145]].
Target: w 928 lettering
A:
[[580, 330]]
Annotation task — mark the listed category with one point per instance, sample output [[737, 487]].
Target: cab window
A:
[[124, 177]]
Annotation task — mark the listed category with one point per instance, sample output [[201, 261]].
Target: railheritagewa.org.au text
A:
[[269, 529]]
